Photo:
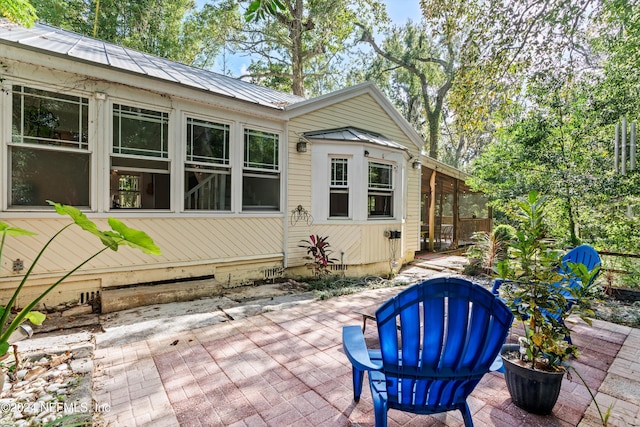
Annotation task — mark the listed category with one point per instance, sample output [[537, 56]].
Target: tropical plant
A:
[[539, 293], [490, 248], [119, 235], [318, 253]]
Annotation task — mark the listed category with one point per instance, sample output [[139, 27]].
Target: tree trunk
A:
[[295, 33]]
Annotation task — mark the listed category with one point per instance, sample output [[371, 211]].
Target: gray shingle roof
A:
[[56, 41], [354, 135]]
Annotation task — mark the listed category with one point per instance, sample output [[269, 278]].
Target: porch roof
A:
[[353, 134]]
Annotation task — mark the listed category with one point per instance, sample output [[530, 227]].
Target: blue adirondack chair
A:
[[437, 339], [583, 254]]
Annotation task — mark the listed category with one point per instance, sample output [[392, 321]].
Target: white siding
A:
[[361, 242], [236, 243]]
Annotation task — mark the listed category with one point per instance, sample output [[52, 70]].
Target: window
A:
[[139, 162], [49, 151], [207, 170], [261, 173], [380, 190], [339, 188]]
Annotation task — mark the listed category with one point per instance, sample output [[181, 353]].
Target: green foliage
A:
[[20, 11], [259, 9], [327, 286], [536, 291], [301, 41], [70, 420], [557, 146], [460, 69], [632, 277], [490, 248], [504, 232], [172, 29], [119, 235], [560, 136]]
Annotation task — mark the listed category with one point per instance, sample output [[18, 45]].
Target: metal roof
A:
[[56, 41], [353, 134]]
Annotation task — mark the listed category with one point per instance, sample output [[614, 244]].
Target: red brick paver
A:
[[287, 367]]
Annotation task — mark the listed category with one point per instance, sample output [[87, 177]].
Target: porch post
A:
[[456, 214], [432, 211]]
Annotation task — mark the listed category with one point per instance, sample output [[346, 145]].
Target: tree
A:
[[472, 57], [431, 65], [560, 146], [20, 11], [560, 140], [298, 42], [171, 29]]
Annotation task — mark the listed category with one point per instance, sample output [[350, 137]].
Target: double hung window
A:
[[49, 152], [140, 165], [339, 188], [380, 190], [207, 167], [261, 171]]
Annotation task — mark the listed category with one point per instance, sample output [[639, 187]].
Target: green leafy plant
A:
[[489, 248], [319, 254], [119, 235], [539, 293], [632, 277], [604, 417]]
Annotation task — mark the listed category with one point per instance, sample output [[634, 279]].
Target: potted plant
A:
[[119, 235], [538, 293]]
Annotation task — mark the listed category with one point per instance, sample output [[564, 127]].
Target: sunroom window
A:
[[380, 190], [207, 169], [139, 162], [49, 151], [339, 188], [261, 172]]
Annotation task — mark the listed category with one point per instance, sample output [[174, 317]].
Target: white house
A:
[[227, 177]]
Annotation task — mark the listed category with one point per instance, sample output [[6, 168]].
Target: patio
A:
[[285, 366]]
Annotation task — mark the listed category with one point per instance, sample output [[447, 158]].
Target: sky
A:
[[399, 12]]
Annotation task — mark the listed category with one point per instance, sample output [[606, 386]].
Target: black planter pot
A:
[[534, 391]]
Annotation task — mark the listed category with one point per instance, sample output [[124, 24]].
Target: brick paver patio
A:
[[287, 367]]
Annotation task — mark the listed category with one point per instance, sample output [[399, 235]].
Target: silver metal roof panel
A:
[[354, 135], [52, 40]]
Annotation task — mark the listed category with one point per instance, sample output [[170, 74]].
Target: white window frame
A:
[[377, 189], [51, 145], [344, 186], [155, 165], [224, 166], [253, 169], [359, 156]]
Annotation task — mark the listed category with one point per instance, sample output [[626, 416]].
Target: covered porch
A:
[[450, 212]]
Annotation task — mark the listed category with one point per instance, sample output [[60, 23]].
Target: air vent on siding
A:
[[89, 297], [271, 273], [338, 267]]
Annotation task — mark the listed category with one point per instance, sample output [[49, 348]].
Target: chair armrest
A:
[[356, 349], [497, 365]]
